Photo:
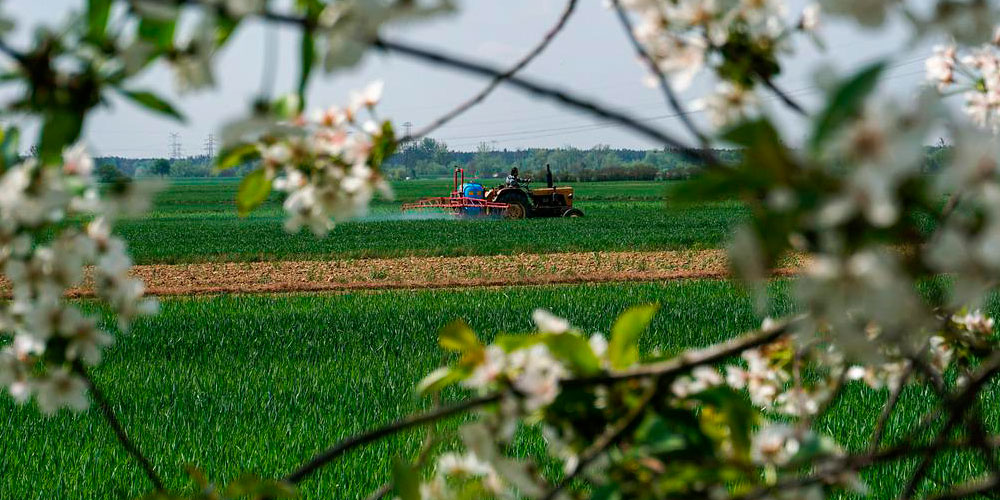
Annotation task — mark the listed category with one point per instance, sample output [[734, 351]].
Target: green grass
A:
[[260, 383], [195, 220]]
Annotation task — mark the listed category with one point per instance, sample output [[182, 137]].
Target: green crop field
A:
[[195, 220], [259, 383]]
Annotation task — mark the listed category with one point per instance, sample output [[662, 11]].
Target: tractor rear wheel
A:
[[515, 210], [573, 212]]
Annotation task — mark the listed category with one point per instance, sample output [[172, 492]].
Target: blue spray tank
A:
[[475, 191]]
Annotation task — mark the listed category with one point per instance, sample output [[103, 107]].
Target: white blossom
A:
[[599, 345], [322, 162], [548, 322], [941, 66], [730, 104], [489, 369], [775, 444], [14, 373], [975, 322], [61, 389], [85, 339], [536, 375], [811, 17], [701, 379], [468, 464], [76, 161]]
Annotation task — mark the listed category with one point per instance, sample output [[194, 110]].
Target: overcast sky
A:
[[591, 57]]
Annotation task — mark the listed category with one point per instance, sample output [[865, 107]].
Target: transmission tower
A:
[[210, 146], [409, 126], [175, 146]]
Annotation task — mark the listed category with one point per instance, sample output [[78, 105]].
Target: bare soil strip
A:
[[425, 272]]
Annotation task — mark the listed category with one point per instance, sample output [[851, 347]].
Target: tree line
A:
[[430, 158]]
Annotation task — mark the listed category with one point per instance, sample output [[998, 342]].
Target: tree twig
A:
[[422, 455], [116, 426], [540, 90], [475, 67], [890, 406], [497, 80], [988, 484], [608, 438], [957, 408], [693, 358], [784, 96], [835, 466], [357, 440], [665, 86]]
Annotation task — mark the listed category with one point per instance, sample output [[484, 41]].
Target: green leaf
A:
[[60, 129], [158, 32], [9, 148], [405, 480], [662, 437], [224, 29], [439, 379], [253, 190], [197, 476], [845, 102], [307, 56], [98, 12], [384, 145], [764, 155], [252, 486], [152, 102], [623, 349], [609, 491], [510, 343], [236, 156], [457, 336], [733, 417], [575, 351], [287, 106]]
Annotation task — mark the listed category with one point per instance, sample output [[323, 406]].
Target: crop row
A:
[[240, 383]]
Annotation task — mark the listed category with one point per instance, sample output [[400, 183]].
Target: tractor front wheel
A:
[[573, 212], [515, 210]]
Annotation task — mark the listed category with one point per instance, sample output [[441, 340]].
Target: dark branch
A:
[[693, 358], [668, 90], [481, 96], [116, 426], [355, 441], [957, 407], [890, 406], [12, 53], [540, 90], [787, 99], [478, 68], [824, 471], [422, 456], [978, 487]]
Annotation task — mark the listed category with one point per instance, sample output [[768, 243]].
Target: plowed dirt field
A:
[[426, 272]]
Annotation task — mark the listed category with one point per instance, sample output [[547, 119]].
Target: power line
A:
[[575, 129], [639, 106], [175, 146]]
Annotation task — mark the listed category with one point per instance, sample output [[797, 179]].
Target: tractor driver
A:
[[513, 180]]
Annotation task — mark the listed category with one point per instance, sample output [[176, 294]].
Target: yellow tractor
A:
[[523, 202]]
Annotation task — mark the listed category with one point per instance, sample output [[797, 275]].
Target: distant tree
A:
[[108, 173], [161, 167]]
